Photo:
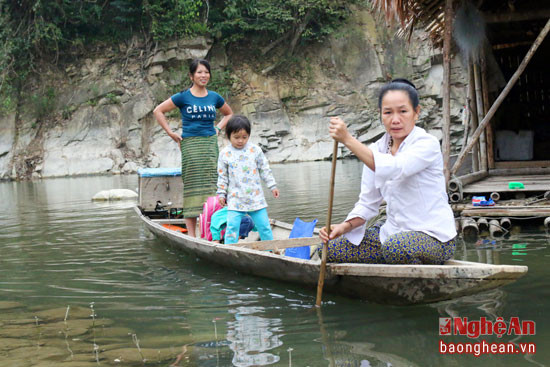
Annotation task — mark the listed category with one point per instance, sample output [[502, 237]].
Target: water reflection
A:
[[253, 336], [353, 354]]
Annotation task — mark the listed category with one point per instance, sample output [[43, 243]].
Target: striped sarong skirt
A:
[[199, 160]]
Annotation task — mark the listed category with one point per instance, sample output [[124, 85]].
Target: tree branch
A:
[[272, 45]]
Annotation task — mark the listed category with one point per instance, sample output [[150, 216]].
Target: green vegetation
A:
[[43, 103], [67, 111], [34, 30], [276, 21], [112, 98], [221, 82]]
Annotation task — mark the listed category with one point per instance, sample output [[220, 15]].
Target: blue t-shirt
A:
[[197, 113]]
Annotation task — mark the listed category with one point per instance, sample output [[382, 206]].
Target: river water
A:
[[84, 284]]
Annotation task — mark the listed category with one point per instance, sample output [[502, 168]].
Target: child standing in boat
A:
[[241, 168]]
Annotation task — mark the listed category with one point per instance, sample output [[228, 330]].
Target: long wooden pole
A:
[[474, 121], [446, 143], [489, 129], [502, 96], [329, 218], [480, 113]]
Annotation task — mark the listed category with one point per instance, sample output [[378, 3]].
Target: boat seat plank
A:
[[279, 244], [168, 221]]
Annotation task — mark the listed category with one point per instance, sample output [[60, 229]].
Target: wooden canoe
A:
[[387, 284]]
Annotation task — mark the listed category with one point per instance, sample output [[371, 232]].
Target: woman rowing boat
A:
[[404, 168]]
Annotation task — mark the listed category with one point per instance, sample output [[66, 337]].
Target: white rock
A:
[[319, 150], [374, 133], [115, 194], [7, 140], [157, 69], [437, 133], [130, 167], [434, 81]]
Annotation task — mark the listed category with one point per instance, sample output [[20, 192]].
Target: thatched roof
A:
[[412, 13], [509, 21]]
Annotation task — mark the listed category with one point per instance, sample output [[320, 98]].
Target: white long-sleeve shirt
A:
[[412, 184]]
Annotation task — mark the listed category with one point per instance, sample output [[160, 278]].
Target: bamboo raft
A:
[[531, 201]]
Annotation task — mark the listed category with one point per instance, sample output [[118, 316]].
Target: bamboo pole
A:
[[521, 171], [482, 224], [472, 177], [502, 96], [495, 229], [455, 185], [538, 211], [455, 197], [505, 223], [470, 229], [480, 114], [474, 120], [447, 38], [489, 129], [323, 268]]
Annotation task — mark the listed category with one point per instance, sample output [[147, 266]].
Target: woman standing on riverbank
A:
[[198, 140], [405, 169]]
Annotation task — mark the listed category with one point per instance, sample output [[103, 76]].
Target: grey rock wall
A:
[[103, 119]]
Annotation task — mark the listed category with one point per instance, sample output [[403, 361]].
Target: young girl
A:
[[240, 167]]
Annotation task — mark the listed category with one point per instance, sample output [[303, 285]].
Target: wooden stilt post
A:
[[489, 130], [480, 114], [474, 115], [446, 144], [502, 96]]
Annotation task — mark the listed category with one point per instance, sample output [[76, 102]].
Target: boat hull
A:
[[386, 284]]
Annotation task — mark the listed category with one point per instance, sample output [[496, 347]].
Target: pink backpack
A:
[[210, 207]]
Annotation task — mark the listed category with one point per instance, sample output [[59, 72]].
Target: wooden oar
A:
[[329, 217]]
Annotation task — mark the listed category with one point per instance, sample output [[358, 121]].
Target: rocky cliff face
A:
[[98, 119]]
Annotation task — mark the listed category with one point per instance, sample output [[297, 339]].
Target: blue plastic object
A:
[[159, 172], [481, 201], [300, 229]]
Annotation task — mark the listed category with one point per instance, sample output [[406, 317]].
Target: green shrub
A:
[[174, 18], [43, 104], [112, 98], [221, 82]]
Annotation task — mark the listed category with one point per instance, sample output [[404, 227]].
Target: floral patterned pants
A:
[[400, 248]]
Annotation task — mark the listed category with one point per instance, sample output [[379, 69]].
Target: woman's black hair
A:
[[400, 84], [195, 64], [237, 123]]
